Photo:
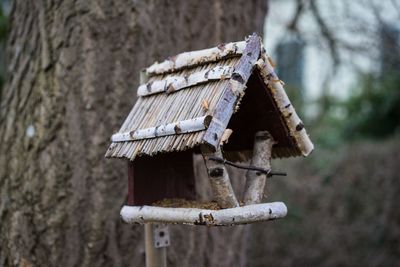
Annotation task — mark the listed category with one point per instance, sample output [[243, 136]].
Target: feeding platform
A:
[[225, 103]]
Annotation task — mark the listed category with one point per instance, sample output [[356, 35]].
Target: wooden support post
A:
[[219, 179], [155, 256], [255, 181]]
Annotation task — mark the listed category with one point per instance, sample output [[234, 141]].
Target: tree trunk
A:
[[73, 70]]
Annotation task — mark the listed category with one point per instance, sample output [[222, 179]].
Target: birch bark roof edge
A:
[[193, 58], [212, 82], [287, 110]]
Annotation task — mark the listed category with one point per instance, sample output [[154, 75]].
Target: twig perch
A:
[[268, 172]]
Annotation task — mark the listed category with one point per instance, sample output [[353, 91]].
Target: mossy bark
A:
[[73, 67]]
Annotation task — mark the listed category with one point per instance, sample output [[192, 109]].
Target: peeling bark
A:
[[295, 125], [175, 83], [228, 217], [194, 58], [256, 181], [180, 127], [219, 179], [72, 67]]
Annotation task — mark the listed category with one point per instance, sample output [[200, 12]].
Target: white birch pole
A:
[[219, 179], [194, 216], [175, 83], [180, 127], [198, 57], [255, 181]]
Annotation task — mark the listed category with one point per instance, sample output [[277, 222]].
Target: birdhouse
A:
[[225, 103]]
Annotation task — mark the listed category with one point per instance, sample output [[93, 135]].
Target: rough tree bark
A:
[[73, 70]]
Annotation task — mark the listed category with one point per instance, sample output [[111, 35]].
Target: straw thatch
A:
[[208, 83]]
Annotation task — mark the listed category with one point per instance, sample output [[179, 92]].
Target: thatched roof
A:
[[192, 98]]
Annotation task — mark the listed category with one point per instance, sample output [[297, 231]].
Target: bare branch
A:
[[292, 26], [326, 33]]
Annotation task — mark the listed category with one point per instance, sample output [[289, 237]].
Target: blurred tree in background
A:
[[71, 70], [352, 36], [373, 110], [342, 199]]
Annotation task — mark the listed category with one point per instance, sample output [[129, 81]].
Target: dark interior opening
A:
[[163, 176], [257, 112]]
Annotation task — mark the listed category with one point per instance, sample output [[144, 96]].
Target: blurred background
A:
[[340, 61]]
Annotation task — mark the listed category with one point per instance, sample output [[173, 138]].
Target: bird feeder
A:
[[225, 103]]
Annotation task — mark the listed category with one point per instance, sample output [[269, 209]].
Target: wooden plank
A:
[[233, 92], [130, 183]]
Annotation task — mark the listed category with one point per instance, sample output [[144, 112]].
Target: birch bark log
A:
[[255, 181], [219, 179]]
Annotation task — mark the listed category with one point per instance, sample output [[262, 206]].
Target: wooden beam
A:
[[256, 181], [180, 127], [219, 179], [189, 59], [194, 216], [233, 92]]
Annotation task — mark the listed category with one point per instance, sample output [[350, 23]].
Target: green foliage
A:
[[373, 112]]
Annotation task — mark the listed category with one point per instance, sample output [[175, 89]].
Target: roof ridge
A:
[[234, 91], [197, 57]]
